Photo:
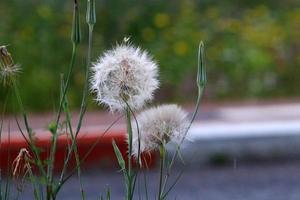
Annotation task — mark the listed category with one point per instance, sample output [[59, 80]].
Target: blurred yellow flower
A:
[[180, 48], [161, 20], [148, 34], [44, 11]]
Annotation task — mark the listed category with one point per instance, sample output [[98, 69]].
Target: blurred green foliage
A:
[[253, 46]]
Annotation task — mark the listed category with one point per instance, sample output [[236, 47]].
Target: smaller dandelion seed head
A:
[[157, 126], [125, 75], [8, 70], [8, 73]]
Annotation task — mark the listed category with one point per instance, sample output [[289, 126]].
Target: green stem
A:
[[134, 177], [74, 148], [83, 107], [55, 135], [28, 129], [86, 83], [197, 106], [129, 130], [86, 155], [81, 115], [200, 92]]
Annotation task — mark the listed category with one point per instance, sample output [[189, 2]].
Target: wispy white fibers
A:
[[7, 73], [125, 73], [8, 70], [159, 125]]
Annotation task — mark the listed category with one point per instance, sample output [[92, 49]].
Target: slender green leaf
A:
[[119, 156]]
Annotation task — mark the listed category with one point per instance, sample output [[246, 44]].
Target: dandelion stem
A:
[[200, 92], [162, 159], [86, 155], [134, 176], [83, 108], [55, 135], [81, 114], [201, 83], [129, 132], [86, 83]]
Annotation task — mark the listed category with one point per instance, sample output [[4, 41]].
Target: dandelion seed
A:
[[8, 70], [158, 126], [125, 74]]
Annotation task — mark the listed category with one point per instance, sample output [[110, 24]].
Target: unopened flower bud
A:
[[76, 33], [91, 12], [201, 75]]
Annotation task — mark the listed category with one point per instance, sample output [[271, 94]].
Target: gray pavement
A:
[[255, 181]]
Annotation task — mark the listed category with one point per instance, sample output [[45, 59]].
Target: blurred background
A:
[[245, 142], [254, 45]]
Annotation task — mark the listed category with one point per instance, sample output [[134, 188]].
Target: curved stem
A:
[[81, 115], [200, 92], [63, 180], [28, 129], [54, 133], [86, 83], [197, 106]]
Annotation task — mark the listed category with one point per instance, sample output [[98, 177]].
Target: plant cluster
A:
[[123, 79]]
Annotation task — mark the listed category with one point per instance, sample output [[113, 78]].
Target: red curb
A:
[[101, 156]]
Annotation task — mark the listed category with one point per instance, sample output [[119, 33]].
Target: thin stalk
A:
[[129, 131], [28, 129], [172, 186], [201, 83], [63, 180], [83, 107], [37, 195], [2, 119], [55, 135], [139, 147], [86, 83], [76, 155], [200, 93], [8, 183], [81, 115], [162, 159], [1, 127], [68, 119]]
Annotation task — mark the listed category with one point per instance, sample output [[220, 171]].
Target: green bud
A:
[[52, 127], [76, 33], [91, 12], [201, 75]]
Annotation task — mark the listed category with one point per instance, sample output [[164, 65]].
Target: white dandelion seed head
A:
[[125, 73], [159, 125]]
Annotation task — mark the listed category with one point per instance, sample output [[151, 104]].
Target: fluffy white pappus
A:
[[7, 74], [8, 70], [125, 73], [159, 125]]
